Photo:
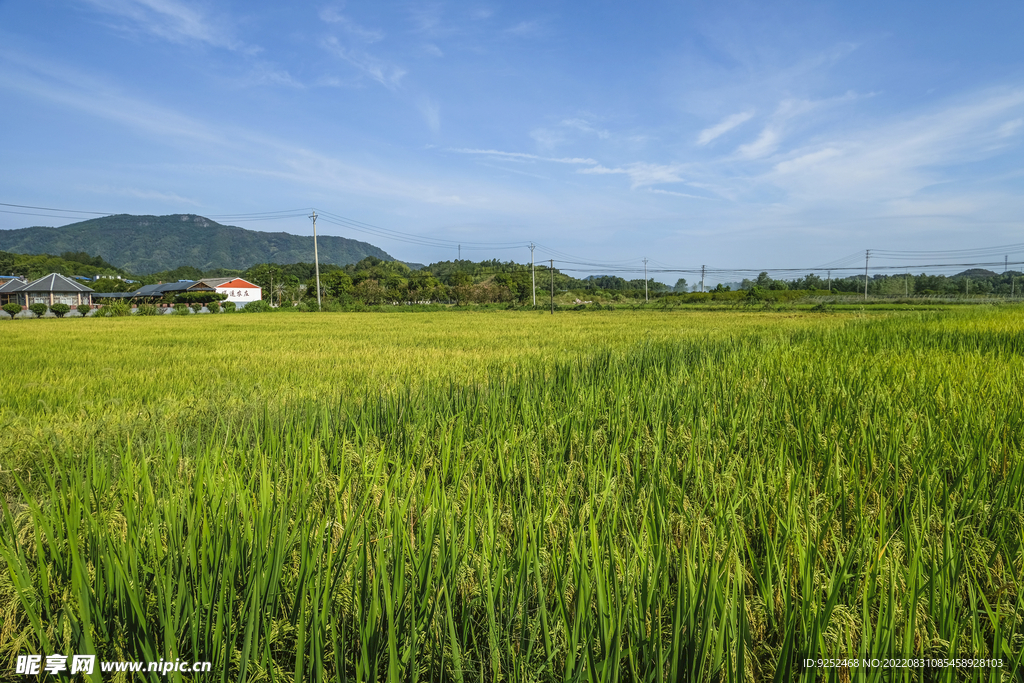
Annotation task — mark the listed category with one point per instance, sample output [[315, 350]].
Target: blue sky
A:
[[733, 134]]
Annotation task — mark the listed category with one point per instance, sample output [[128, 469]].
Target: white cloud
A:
[[642, 174], [1010, 128], [388, 75], [171, 20], [766, 143], [332, 15], [169, 197], [719, 129], [431, 114], [584, 126], [523, 156]]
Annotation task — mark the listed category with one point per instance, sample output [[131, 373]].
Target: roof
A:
[[238, 282], [12, 286], [54, 282], [161, 289], [212, 281], [112, 295]]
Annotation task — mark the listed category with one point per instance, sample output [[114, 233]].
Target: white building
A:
[[238, 290]]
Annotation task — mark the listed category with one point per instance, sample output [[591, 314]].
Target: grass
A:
[[601, 497]]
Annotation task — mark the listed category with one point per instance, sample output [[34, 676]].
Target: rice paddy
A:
[[502, 496]]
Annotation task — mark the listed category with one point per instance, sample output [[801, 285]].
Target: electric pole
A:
[[702, 269], [533, 275], [906, 285], [1006, 263], [830, 282], [867, 255], [316, 262], [645, 280], [552, 286]]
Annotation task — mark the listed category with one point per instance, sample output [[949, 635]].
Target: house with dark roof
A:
[[50, 289], [9, 288]]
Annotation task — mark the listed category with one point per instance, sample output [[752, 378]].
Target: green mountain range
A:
[[150, 244]]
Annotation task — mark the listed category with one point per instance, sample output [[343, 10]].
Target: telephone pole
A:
[[533, 275], [645, 280], [316, 262], [867, 256], [830, 282], [552, 286], [702, 269]]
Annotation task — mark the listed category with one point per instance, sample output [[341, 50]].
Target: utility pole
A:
[[645, 280], [552, 286], [533, 275], [830, 282], [906, 285], [316, 262], [867, 256], [702, 270], [1006, 263], [460, 252]]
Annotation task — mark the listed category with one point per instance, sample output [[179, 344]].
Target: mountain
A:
[[150, 244]]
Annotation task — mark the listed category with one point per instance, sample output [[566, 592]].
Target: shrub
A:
[[38, 309], [83, 309], [118, 309], [196, 307], [182, 309], [12, 310], [147, 309], [60, 310], [198, 297], [213, 307], [260, 306], [229, 306]]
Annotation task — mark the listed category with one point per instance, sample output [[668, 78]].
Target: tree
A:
[[336, 284], [12, 310], [38, 309], [680, 286], [60, 310], [83, 309]]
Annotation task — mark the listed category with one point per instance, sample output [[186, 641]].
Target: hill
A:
[[148, 244]]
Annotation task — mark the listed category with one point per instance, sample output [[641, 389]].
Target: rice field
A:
[[507, 496]]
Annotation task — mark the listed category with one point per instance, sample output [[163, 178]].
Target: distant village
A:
[[56, 290]]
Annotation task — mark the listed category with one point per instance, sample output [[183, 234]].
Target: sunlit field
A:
[[511, 496]]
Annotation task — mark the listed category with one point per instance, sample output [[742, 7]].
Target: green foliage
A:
[[213, 307], [712, 507], [12, 310], [147, 309], [115, 309], [33, 266], [38, 309], [151, 244], [256, 307], [109, 284], [83, 309], [229, 306], [196, 307], [60, 310], [182, 309], [198, 297]]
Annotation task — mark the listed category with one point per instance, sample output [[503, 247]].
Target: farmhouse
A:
[[50, 289], [237, 290]]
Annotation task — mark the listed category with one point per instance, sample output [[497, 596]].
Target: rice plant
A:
[[703, 504]]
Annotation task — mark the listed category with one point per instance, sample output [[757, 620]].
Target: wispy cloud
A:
[[168, 197], [527, 29], [333, 15], [719, 129], [431, 113], [171, 20], [388, 75], [585, 126], [522, 156], [642, 174]]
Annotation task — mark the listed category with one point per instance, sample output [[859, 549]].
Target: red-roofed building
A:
[[238, 290]]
